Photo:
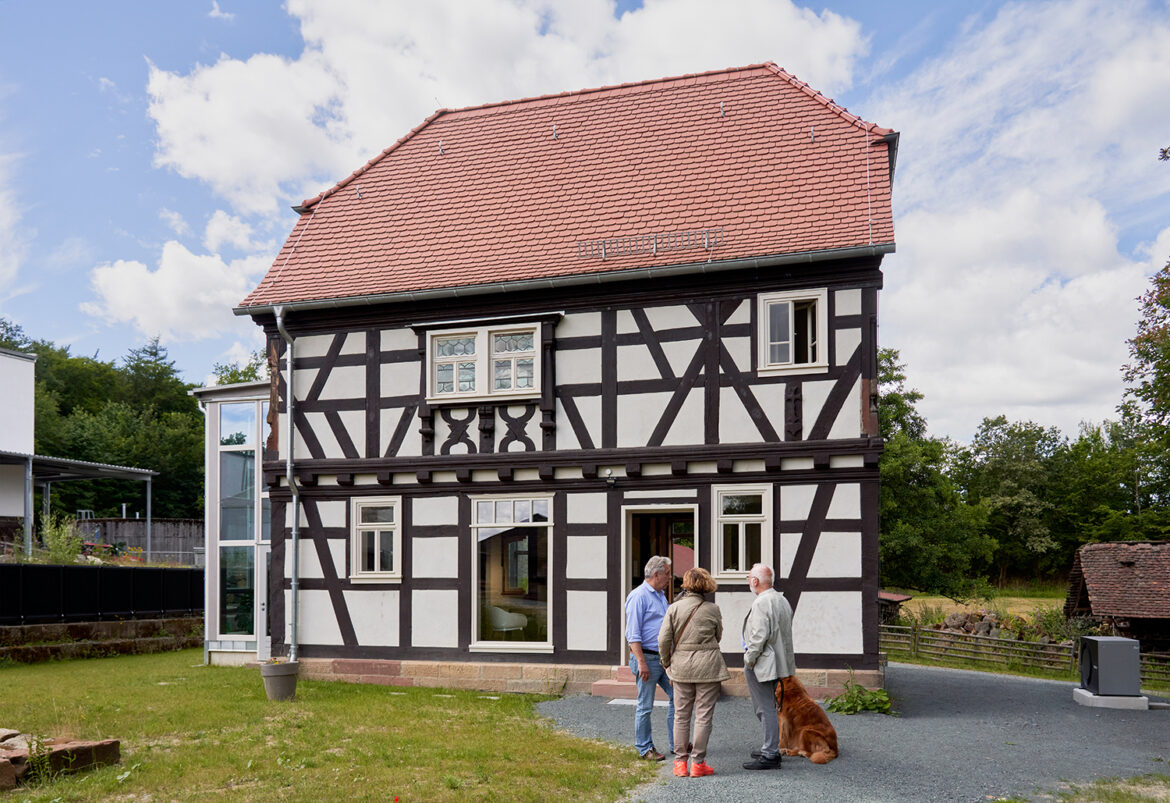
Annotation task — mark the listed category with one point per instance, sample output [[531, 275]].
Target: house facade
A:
[[535, 343]]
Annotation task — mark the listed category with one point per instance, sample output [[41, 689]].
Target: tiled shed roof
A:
[[506, 192], [1125, 578]]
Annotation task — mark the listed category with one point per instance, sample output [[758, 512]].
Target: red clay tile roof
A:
[[1125, 578], [504, 192]]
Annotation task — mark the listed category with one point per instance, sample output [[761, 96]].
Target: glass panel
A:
[[503, 375], [367, 550], [524, 372], [445, 378], [265, 519], [466, 377], [742, 504], [779, 331], [512, 592], [523, 510], [379, 514], [454, 346], [237, 593], [237, 424], [540, 510], [805, 325], [386, 553], [237, 501], [731, 547], [752, 541], [778, 354], [503, 511], [484, 511], [515, 341]]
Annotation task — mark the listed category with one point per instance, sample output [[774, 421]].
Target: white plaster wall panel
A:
[[567, 473], [673, 493], [656, 469], [435, 557], [740, 466], [742, 314], [585, 557], [848, 302], [354, 422], [312, 345], [586, 508], [837, 555], [434, 618], [590, 410], [847, 342], [734, 605], [324, 434], [679, 354], [702, 467], [735, 425], [626, 325], [770, 397], [443, 430], [332, 512], [846, 502], [635, 362], [796, 464], [435, 510], [828, 622], [846, 461], [318, 621], [17, 378], [796, 501], [848, 421], [674, 317], [788, 545], [812, 399], [637, 415], [374, 614], [688, 423], [580, 324], [12, 491], [411, 443], [310, 564], [281, 451], [587, 623], [740, 350], [355, 343], [526, 474], [531, 429], [398, 339], [400, 378], [485, 475], [566, 436], [578, 366], [345, 382]]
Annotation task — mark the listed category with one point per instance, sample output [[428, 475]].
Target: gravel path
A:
[[959, 736]]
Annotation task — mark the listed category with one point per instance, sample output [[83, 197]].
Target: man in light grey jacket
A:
[[767, 657]]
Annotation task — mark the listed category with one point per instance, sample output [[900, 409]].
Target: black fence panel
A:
[[35, 594]]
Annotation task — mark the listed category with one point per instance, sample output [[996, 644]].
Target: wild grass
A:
[[189, 731], [1142, 789]]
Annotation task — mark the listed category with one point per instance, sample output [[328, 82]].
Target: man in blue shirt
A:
[[645, 609]]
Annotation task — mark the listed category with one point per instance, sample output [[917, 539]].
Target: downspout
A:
[[289, 405]]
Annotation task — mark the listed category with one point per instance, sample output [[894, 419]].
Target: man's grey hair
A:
[[657, 565], [763, 573]]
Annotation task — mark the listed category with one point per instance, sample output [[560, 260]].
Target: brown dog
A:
[[805, 729]]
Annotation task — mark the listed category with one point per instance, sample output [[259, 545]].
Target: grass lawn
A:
[[190, 731], [1017, 605]]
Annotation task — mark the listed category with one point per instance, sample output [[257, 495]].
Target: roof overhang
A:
[[60, 469], [238, 390], [574, 280]]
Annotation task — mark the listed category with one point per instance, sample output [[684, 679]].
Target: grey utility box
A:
[[1110, 665]]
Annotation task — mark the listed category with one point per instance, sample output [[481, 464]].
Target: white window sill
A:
[[527, 395], [799, 368], [380, 578], [509, 646]]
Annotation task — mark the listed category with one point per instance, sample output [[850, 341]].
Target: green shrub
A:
[[60, 537], [857, 698]]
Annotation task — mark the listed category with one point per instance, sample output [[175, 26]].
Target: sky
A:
[[150, 153]]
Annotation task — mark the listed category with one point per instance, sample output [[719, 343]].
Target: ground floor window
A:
[[741, 533], [237, 591], [512, 568]]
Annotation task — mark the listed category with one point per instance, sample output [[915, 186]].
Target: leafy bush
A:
[[60, 537], [857, 698]]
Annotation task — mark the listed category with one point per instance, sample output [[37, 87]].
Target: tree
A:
[[896, 404], [152, 381], [1148, 369], [253, 369]]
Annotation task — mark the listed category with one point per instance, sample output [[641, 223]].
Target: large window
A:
[[793, 331], [512, 538], [741, 531], [375, 539], [484, 363]]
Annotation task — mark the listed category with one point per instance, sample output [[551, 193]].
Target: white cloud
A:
[[187, 297], [1027, 160], [216, 14], [70, 253], [14, 235], [269, 131], [224, 229], [174, 221]]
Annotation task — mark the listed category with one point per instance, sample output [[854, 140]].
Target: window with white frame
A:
[[494, 361], [512, 564], [375, 539], [742, 535], [793, 331]]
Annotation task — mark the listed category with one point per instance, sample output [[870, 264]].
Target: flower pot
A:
[[280, 680]]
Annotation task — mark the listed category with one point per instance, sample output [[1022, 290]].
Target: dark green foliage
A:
[[856, 698], [255, 368]]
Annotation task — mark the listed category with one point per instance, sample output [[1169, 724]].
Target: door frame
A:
[[263, 556], [627, 529]]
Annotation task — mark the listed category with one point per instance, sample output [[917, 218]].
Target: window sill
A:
[[363, 579], [498, 398], [509, 646], [801, 368]]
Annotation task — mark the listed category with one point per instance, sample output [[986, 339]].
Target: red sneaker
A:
[[699, 769], [680, 767]]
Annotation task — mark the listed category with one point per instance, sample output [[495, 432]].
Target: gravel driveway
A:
[[960, 736]]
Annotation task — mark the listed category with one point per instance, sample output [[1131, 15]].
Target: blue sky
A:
[[149, 153]]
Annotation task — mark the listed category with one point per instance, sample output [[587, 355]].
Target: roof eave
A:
[[574, 280]]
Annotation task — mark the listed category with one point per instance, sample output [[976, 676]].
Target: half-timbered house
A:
[[533, 343]]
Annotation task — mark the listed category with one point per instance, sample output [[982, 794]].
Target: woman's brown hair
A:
[[699, 581]]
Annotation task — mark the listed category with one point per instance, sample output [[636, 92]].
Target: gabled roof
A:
[[1125, 578], [751, 158]]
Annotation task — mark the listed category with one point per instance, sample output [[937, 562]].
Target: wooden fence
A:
[[920, 642]]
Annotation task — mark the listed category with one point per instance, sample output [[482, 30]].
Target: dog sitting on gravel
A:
[[805, 729]]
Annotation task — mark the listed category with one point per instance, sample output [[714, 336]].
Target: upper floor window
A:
[[484, 363], [742, 533], [793, 331], [375, 539]]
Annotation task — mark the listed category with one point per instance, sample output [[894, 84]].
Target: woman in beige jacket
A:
[[688, 645]]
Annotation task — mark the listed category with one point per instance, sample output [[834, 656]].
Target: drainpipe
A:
[[289, 406]]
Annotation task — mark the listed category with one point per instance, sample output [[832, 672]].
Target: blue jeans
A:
[[643, 735]]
